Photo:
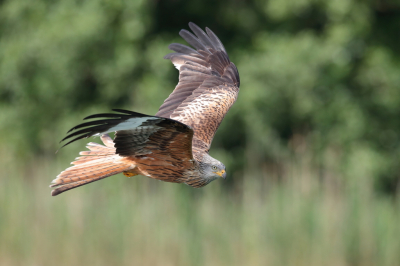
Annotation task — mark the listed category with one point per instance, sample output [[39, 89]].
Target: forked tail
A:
[[98, 163]]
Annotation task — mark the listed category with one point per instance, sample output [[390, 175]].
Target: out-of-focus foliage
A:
[[325, 73], [312, 146], [62, 58]]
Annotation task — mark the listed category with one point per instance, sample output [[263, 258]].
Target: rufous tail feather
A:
[[98, 163]]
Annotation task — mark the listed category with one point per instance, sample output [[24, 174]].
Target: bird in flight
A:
[[173, 145]]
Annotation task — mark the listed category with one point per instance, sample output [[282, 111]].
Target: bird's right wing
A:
[[208, 85]]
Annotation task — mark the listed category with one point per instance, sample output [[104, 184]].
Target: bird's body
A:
[[173, 145]]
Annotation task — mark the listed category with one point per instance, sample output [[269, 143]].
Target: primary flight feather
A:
[[173, 145]]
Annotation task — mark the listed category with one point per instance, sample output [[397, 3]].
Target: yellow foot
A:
[[129, 174]]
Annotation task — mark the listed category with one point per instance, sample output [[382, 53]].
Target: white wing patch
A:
[[130, 124], [178, 66]]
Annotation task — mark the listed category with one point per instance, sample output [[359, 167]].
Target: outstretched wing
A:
[[161, 147], [208, 85]]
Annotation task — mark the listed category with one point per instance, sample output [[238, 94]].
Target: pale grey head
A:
[[212, 168]]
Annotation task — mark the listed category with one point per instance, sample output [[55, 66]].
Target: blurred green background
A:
[[312, 145]]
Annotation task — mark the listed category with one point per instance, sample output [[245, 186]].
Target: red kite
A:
[[173, 145]]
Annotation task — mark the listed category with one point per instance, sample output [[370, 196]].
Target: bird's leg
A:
[[129, 174]]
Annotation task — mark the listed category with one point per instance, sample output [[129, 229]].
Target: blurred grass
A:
[[139, 221]]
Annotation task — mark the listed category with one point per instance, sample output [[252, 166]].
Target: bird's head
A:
[[213, 168], [218, 170]]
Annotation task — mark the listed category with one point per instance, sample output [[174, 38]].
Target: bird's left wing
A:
[[160, 147], [208, 85]]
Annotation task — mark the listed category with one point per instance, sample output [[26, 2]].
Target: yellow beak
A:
[[221, 174]]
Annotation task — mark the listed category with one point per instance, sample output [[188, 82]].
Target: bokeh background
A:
[[312, 145]]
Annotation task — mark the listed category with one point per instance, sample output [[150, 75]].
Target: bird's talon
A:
[[129, 174]]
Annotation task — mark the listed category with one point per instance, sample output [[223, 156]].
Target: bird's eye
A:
[[214, 167]]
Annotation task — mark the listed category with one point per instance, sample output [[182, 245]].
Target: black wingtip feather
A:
[[131, 113], [201, 35], [79, 132], [216, 41], [75, 139], [91, 123], [168, 56], [102, 116], [92, 128], [180, 48], [193, 40]]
